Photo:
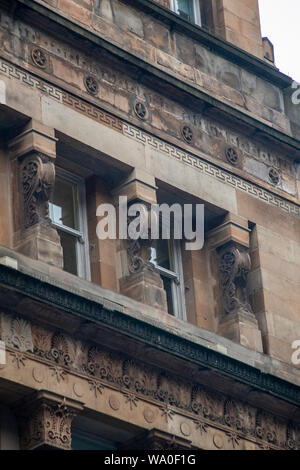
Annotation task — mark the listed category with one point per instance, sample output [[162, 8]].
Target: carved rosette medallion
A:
[[37, 175], [91, 85], [234, 268], [232, 155], [141, 110], [187, 134], [39, 57]]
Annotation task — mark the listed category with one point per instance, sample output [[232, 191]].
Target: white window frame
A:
[[196, 7], [82, 245], [178, 290]]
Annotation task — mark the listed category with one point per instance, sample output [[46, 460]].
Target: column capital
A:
[[45, 420]]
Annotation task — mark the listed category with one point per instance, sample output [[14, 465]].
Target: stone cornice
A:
[[153, 335], [149, 74]]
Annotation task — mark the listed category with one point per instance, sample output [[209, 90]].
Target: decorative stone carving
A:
[[232, 155], [187, 134], [37, 183], [18, 359], [16, 332], [274, 176], [293, 437], [170, 396], [139, 254], [33, 153], [140, 110], [234, 268], [39, 58], [45, 421], [143, 282], [237, 322], [91, 85], [62, 349]]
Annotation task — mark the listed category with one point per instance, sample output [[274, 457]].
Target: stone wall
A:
[[153, 41], [221, 164]]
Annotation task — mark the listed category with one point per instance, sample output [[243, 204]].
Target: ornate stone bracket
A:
[[140, 279], [45, 421], [37, 178], [230, 242], [234, 268], [33, 153]]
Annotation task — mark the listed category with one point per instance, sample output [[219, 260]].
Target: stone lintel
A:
[[233, 228], [138, 186], [35, 137]]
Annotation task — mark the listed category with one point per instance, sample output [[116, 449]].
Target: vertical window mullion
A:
[[180, 294]]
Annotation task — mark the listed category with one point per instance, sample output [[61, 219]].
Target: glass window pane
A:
[[68, 243], [160, 255], [64, 204], [81, 443], [185, 8]]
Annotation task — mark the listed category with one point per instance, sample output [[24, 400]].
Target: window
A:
[[81, 442], [188, 9], [68, 215], [167, 258]]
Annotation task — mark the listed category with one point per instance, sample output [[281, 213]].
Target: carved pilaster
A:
[[231, 244], [33, 153], [45, 421]]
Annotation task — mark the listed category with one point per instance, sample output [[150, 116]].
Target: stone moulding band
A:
[[152, 335], [105, 118], [211, 170]]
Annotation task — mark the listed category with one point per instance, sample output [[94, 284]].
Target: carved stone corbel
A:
[[45, 421], [143, 282], [230, 242], [33, 153], [37, 178], [234, 268], [140, 279]]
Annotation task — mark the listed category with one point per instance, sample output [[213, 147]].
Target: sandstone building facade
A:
[[117, 344]]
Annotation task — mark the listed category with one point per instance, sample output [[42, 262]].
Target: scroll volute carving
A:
[[234, 267], [37, 178], [139, 251]]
